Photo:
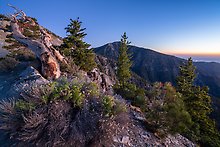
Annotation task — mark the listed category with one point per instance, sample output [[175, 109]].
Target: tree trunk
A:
[[42, 48]]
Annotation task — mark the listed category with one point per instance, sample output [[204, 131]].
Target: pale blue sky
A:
[[170, 26]]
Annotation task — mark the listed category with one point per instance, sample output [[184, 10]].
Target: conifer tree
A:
[[74, 46], [186, 77], [198, 103], [124, 62]]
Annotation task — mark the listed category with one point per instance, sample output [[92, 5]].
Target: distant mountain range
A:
[[154, 66]]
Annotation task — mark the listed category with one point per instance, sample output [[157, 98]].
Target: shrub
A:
[[70, 67], [119, 107], [131, 92], [140, 98], [108, 104], [57, 114], [112, 107], [166, 112], [31, 31], [66, 91], [77, 96], [24, 105], [91, 89], [128, 91], [14, 45], [7, 64], [23, 54]]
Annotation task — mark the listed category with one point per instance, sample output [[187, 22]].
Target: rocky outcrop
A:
[[128, 130], [41, 47], [27, 79], [104, 81]]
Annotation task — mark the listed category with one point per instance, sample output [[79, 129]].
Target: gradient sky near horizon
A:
[[168, 26]]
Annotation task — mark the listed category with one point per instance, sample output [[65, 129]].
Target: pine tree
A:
[[198, 103], [74, 46], [186, 77], [124, 62]]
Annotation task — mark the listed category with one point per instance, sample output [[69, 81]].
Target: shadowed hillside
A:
[[154, 66]]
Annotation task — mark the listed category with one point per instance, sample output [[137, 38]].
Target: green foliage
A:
[[32, 32], [18, 50], [91, 89], [124, 62], [77, 96], [166, 112], [131, 92], [14, 45], [23, 54], [140, 98], [34, 19], [66, 91], [24, 106], [186, 77], [85, 59], [119, 107], [111, 106], [27, 33], [198, 104], [69, 68], [108, 104], [73, 91], [74, 46], [128, 91], [7, 64]]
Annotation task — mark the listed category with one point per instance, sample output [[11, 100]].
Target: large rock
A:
[[28, 78]]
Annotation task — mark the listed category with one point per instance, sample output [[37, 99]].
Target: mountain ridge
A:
[[154, 66]]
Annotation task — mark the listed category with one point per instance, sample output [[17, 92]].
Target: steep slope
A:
[[154, 66], [40, 122]]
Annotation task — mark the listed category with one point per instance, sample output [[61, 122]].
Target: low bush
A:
[[67, 91], [70, 67], [62, 113], [91, 89], [108, 105], [24, 106], [23, 54], [7, 64], [131, 92], [166, 112], [112, 107], [13, 45]]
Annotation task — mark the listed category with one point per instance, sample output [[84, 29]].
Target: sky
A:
[[179, 27]]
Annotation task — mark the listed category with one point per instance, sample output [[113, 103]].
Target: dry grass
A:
[[57, 122]]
